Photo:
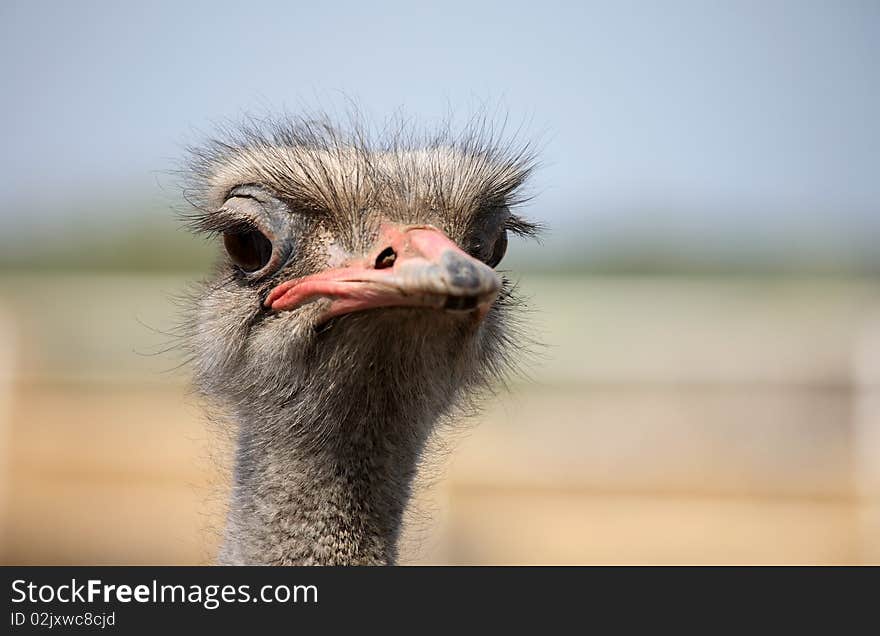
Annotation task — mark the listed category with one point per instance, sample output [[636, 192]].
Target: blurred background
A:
[[708, 290]]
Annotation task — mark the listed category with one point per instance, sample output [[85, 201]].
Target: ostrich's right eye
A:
[[248, 248]]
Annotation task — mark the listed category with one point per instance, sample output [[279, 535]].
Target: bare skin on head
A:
[[356, 306]]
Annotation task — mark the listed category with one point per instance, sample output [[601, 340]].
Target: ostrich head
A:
[[357, 300]]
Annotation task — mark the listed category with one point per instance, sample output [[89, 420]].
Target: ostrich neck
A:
[[299, 502]]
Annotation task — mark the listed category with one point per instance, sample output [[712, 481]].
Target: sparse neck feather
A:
[[338, 500]]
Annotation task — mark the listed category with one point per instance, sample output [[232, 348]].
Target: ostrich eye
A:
[[498, 250], [248, 248]]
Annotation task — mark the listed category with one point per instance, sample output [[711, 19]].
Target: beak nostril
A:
[[386, 258]]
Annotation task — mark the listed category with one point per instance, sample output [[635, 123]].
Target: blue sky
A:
[[675, 117]]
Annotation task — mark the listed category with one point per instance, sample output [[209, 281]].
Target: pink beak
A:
[[412, 266]]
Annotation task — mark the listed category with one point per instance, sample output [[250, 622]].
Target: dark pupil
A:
[[248, 249], [498, 250]]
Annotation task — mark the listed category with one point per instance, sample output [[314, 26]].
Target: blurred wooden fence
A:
[[666, 421]]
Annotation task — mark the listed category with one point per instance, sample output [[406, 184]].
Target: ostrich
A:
[[357, 305]]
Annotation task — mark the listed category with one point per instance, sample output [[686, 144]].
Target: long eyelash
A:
[[220, 222], [522, 227]]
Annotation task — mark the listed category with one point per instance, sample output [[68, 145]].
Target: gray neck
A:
[[301, 499]]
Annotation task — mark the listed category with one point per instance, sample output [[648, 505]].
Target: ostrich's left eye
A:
[[499, 249], [248, 248]]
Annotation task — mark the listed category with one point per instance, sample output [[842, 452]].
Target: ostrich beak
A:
[[410, 266]]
